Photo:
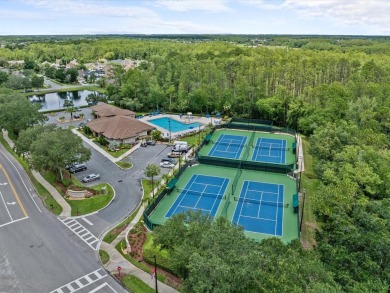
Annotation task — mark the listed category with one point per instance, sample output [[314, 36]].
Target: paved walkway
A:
[[116, 259], [103, 152], [66, 209]]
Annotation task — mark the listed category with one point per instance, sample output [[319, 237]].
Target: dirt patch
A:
[[137, 238]]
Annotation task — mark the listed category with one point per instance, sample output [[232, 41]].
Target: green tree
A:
[[152, 171], [17, 112], [53, 150], [37, 81], [3, 77]]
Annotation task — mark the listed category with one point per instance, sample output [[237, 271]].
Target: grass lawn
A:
[[46, 197], [104, 256], [115, 154], [310, 183], [111, 235], [147, 187], [135, 285], [92, 204], [124, 165], [162, 255]]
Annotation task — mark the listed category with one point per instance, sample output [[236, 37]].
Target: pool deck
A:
[[184, 119]]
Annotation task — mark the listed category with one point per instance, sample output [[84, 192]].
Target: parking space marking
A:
[[102, 286], [88, 222], [88, 280], [83, 233]]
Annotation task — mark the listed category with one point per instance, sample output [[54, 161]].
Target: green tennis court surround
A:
[[245, 175]]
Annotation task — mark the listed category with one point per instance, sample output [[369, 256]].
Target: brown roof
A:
[[106, 110], [118, 127]]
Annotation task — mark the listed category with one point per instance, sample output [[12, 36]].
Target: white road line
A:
[[21, 179], [5, 205], [13, 222], [88, 222], [84, 234], [78, 282], [102, 286]]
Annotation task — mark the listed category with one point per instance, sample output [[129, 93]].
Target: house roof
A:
[[119, 127], [105, 110]]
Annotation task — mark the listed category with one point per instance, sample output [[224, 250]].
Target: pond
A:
[[55, 101]]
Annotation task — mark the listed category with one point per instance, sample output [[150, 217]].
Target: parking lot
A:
[[76, 122]]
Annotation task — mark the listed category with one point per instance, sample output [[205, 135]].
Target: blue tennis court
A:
[[270, 150], [201, 193], [260, 208], [228, 146]]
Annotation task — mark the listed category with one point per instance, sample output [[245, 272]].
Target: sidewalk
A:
[[103, 152], [116, 259], [66, 209]]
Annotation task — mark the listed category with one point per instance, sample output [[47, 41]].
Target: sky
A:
[[320, 17]]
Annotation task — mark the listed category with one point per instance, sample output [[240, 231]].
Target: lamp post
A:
[[169, 127], [155, 270], [199, 134]]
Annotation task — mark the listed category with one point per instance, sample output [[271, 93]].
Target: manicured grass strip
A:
[[310, 183], [113, 233], [104, 256], [135, 285], [92, 204], [141, 265], [115, 154], [124, 165], [147, 187], [46, 197]]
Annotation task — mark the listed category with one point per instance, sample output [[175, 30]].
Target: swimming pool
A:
[[175, 126]]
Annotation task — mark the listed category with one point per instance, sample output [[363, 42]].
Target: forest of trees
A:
[[336, 91]]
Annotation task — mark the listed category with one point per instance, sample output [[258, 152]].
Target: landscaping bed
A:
[[137, 238]]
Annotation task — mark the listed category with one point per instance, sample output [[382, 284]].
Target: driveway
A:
[[76, 122]]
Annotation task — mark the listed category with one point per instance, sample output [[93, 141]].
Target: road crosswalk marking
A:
[[82, 282], [83, 233]]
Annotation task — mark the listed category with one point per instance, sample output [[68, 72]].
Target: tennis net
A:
[[261, 202], [238, 144], [199, 193], [263, 147]]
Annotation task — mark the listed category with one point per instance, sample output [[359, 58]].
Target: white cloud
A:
[[374, 13], [199, 5], [91, 8]]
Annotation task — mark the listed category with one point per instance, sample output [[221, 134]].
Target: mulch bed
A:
[[137, 238]]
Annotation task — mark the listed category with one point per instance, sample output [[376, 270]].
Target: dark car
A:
[[151, 142], [77, 168], [170, 160]]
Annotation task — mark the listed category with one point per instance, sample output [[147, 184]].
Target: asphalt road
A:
[[42, 253], [38, 253]]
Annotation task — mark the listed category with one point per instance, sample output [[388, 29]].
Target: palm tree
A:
[[151, 171]]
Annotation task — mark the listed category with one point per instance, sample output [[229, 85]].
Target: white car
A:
[[91, 177], [166, 165]]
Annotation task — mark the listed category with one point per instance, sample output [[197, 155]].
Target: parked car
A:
[[169, 160], [77, 168], [67, 167], [151, 142], [144, 144], [91, 177], [76, 116], [166, 165], [174, 155]]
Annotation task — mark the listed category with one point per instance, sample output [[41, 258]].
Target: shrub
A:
[[66, 182]]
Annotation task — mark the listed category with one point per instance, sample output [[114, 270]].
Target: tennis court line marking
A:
[[193, 179], [258, 218], [242, 205]]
